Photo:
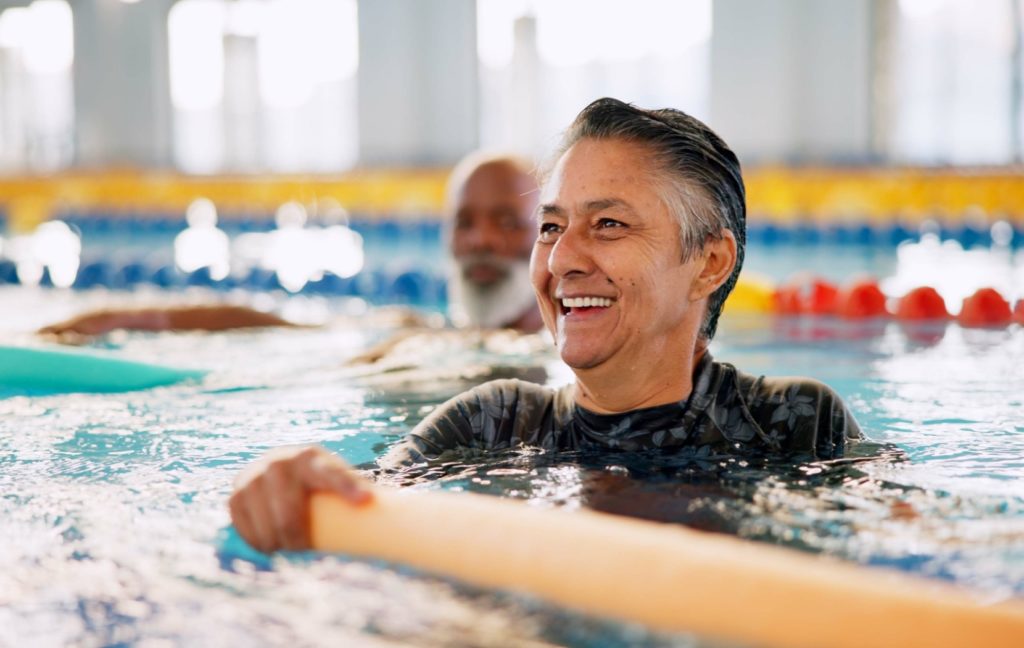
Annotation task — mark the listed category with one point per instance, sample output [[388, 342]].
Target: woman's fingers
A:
[[253, 510], [326, 472], [270, 505], [287, 502], [240, 517]]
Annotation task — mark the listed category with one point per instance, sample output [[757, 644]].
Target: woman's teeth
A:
[[586, 302]]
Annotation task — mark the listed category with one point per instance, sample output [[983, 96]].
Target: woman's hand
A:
[[270, 505]]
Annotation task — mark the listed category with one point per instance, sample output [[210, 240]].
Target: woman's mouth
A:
[[583, 304]]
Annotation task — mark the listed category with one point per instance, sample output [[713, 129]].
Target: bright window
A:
[[542, 61], [264, 86], [36, 90], [952, 82]]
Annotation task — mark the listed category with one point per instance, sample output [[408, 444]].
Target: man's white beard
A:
[[495, 306]]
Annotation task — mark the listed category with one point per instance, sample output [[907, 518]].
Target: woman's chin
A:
[[581, 359]]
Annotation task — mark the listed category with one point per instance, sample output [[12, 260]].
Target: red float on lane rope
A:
[[861, 300], [814, 297], [985, 308], [921, 305]]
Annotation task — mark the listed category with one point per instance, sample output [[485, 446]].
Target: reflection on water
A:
[[115, 525]]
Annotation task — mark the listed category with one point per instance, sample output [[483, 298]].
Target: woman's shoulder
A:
[[803, 413], [784, 389], [505, 400]]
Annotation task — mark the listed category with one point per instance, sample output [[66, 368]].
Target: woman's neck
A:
[[612, 390]]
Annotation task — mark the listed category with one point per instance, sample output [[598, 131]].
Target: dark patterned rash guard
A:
[[728, 412]]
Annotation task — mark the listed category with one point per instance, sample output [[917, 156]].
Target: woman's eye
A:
[[548, 232], [606, 223]]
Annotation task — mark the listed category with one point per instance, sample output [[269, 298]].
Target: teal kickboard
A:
[[57, 371]]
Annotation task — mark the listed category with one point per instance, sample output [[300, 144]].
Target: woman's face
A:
[[607, 265]]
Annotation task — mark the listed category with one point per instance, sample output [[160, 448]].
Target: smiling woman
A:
[[606, 235], [641, 239]]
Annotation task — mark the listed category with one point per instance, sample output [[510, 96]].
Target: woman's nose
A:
[[571, 254]]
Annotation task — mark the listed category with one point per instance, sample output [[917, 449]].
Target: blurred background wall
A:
[[325, 86]]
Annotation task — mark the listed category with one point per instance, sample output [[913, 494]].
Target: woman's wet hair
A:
[[698, 174]]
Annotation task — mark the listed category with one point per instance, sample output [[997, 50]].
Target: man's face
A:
[[493, 223], [491, 237], [607, 265]]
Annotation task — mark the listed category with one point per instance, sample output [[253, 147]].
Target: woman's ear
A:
[[719, 259]]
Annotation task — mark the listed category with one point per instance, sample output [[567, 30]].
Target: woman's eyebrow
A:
[[594, 206], [550, 209], [589, 207]]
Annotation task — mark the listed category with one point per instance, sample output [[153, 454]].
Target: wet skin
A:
[[605, 234]]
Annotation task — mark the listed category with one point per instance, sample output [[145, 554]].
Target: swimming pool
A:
[[114, 515]]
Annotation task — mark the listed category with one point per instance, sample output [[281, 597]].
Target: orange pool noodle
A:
[[922, 304], [861, 299], [1018, 312], [663, 576], [985, 308]]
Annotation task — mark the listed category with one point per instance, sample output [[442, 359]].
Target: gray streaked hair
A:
[[697, 173]]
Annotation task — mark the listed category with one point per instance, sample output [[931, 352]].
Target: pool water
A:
[[115, 526]]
